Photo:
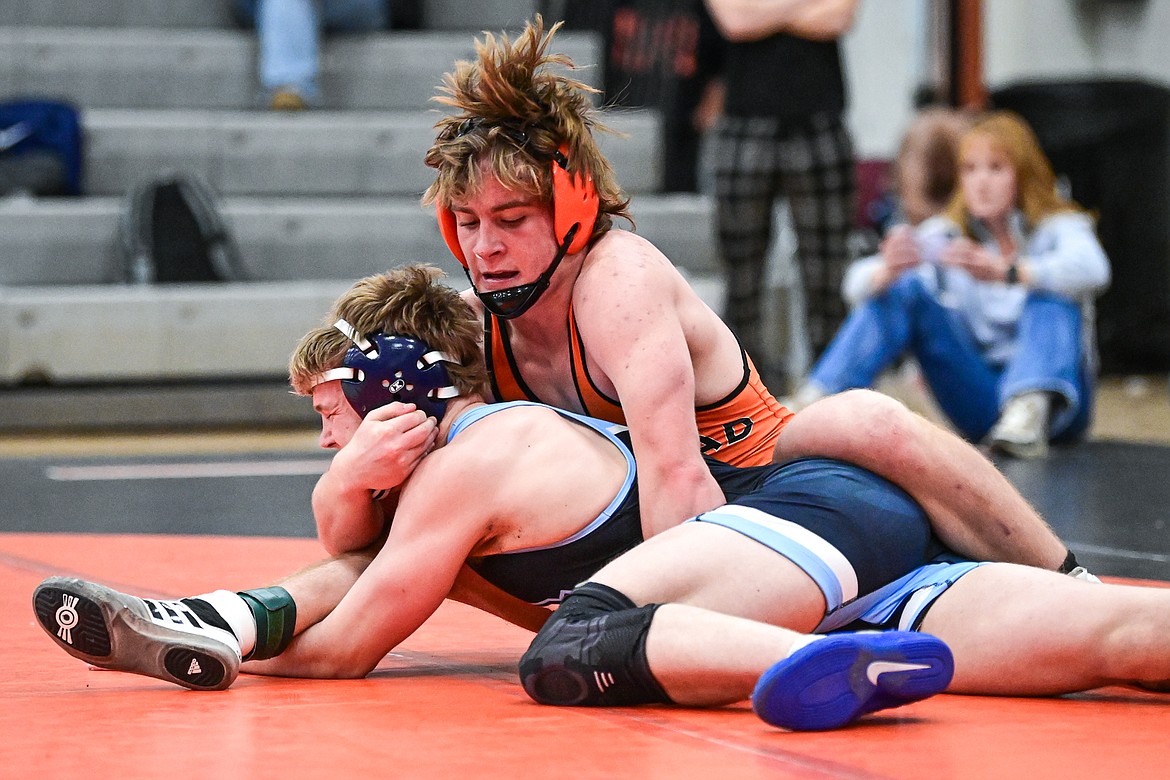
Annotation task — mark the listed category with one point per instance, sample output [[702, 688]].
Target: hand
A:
[[387, 446], [974, 259], [899, 253]]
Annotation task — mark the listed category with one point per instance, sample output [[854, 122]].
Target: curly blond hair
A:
[[513, 112], [406, 301]]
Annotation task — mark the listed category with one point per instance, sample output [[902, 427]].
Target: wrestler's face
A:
[[988, 180], [339, 420], [506, 236]]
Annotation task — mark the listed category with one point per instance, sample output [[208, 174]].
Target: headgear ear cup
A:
[[450, 232], [575, 202]]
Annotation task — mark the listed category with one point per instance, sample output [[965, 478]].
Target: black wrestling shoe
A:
[[160, 639]]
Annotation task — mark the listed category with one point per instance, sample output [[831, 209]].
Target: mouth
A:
[[499, 280]]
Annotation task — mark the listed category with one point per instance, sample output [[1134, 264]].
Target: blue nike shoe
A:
[[833, 681]]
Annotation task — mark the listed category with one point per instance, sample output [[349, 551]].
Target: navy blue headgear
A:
[[386, 368]]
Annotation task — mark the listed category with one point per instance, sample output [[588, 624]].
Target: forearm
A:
[[672, 493], [752, 20], [347, 516], [473, 590], [1073, 264]]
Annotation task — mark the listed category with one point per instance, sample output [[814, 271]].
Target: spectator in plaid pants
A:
[[783, 134]]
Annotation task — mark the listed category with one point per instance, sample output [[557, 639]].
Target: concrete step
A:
[[129, 335], [435, 14], [147, 333], [309, 153], [117, 13], [153, 406], [111, 67], [69, 241]]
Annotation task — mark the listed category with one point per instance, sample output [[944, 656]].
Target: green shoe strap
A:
[[276, 618]]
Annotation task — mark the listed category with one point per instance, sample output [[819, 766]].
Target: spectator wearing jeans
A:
[[289, 34], [993, 297]]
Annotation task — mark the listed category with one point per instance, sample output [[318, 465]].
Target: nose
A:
[[326, 441], [486, 244]]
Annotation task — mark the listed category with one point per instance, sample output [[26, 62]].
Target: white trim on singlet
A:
[[604, 427], [827, 565]]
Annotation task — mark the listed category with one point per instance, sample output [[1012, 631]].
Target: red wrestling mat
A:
[[447, 704]]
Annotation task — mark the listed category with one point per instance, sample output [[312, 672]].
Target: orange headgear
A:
[[575, 202]]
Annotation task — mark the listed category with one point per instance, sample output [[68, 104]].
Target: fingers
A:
[[390, 411]]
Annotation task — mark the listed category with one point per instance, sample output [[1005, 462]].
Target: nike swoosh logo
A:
[[878, 668]]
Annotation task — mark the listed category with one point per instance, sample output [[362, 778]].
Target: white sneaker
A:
[[1022, 429], [1081, 573], [807, 395], [161, 639]]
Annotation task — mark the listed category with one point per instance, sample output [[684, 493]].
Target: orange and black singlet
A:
[[741, 429]]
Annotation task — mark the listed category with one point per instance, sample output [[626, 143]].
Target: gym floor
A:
[[171, 514]]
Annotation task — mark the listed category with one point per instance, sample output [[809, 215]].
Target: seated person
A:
[[993, 298], [289, 35]]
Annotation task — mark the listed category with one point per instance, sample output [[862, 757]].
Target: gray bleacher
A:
[[315, 200]]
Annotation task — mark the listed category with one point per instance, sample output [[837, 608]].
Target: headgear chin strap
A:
[[385, 368], [514, 301]]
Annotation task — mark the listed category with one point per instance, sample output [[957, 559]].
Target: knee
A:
[[592, 652], [859, 426]]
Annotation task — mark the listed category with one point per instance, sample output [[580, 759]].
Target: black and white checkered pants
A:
[[759, 159]]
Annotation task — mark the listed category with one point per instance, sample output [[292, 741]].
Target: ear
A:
[[449, 230]]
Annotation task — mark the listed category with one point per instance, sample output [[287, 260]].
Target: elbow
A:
[[341, 666]]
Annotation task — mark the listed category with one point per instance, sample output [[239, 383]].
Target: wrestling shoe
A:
[[833, 681], [112, 630]]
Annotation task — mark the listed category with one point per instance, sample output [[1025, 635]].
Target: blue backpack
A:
[[40, 147]]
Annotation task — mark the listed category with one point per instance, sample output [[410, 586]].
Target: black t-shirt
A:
[[784, 76]]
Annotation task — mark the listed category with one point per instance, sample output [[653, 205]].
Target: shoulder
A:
[[624, 266]]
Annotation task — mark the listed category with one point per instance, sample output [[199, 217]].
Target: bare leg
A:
[[704, 658], [1016, 630], [319, 587], [317, 590], [972, 506]]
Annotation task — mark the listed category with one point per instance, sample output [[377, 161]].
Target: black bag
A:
[[40, 148], [171, 230]]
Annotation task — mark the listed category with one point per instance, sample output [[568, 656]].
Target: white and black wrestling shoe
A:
[[162, 639]]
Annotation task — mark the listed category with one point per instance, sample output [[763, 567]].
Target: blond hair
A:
[[513, 114], [406, 301], [1036, 193]]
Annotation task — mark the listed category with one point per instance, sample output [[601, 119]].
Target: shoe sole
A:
[[827, 684], [101, 627], [1013, 449]]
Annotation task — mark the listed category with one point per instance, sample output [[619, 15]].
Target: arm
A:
[[473, 590], [870, 276], [630, 322], [753, 20], [1064, 256], [403, 585], [385, 448]]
